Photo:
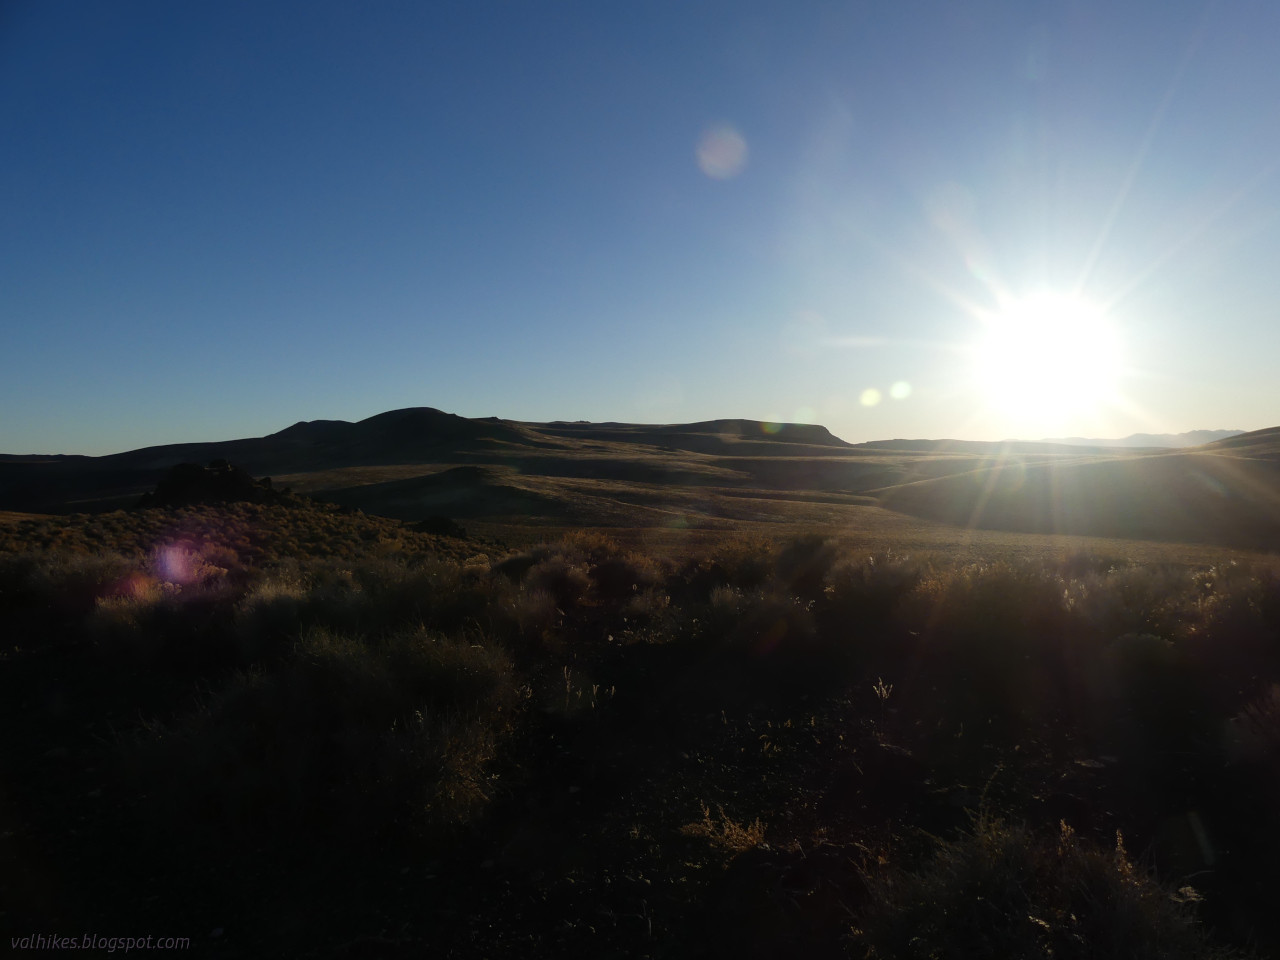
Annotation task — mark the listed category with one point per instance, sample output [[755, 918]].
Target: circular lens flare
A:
[[722, 152]]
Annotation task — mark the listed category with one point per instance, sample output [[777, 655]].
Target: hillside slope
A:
[[674, 453], [1199, 496]]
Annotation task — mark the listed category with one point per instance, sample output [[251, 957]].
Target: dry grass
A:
[[724, 832]]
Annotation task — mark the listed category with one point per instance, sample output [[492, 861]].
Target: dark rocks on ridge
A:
[[219, 482]]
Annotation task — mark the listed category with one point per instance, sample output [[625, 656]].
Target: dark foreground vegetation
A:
[[284, 730]]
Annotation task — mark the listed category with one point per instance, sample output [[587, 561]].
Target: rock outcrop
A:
[[219, 482]]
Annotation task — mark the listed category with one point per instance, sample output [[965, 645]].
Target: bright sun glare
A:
[[1048, 359]]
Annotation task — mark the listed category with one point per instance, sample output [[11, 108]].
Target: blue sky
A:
[[217, 219]]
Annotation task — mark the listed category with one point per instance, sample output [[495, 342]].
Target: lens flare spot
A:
[[870, 397], [770, 426], [900, 390], [175, 564], [722, 152]]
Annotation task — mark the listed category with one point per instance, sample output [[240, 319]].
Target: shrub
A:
[[121, 626], [745, 562], [270, 616], [568, 583], [588, 546], [1233, 637], [528, 615], [994, 645], [65, 585], [1000, 891], [803, 563], [354, 735], [619, 577], [1133, 599], [516, 565], [1159, 711], [646, 607], [867, 592]]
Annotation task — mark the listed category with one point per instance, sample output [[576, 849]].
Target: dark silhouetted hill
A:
[[397, 436], [414, 435], [727, 437]]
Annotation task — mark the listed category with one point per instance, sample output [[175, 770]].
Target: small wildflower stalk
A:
[[882, 691]]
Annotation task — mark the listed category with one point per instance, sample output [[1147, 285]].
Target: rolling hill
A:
[[421, 462], [321, 456], [1226, 492]]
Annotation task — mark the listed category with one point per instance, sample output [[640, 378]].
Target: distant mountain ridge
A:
[[413, 435], [1192, 438]]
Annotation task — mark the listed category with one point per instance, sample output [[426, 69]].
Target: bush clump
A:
[[1002, 891], [352, 734]]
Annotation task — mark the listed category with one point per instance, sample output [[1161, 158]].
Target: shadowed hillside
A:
[[1226, 493], [414, 435], [457, 492]]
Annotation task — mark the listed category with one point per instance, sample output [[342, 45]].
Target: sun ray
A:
[[1192, 235], [1135, 166]]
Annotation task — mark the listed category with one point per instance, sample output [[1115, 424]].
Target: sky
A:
[[975, 220]]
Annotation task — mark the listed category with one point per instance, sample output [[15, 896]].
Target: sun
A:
[[1048, 360]]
